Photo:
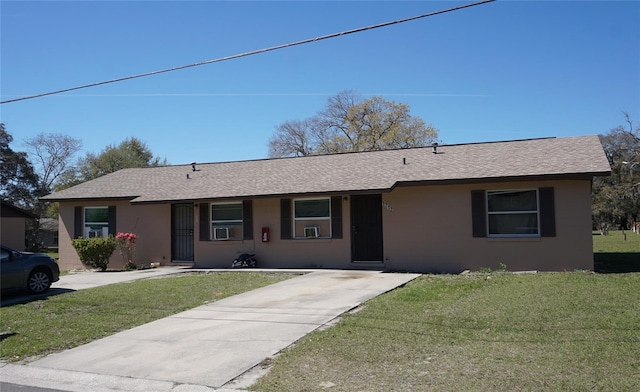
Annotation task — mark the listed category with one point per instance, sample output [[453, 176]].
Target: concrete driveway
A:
[[208, 346], [87, 280]]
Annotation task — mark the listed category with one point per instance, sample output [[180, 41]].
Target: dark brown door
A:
[[182, 232], [366, 228]]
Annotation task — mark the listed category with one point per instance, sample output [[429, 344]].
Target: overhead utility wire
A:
[[245, 54]]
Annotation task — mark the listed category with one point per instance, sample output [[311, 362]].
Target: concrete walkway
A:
[[89, 279], [204, 348]]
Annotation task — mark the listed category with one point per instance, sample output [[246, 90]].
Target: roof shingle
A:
[[350, 172]]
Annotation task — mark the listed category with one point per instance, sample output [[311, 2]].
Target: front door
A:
[[182, 232], [366, 228]]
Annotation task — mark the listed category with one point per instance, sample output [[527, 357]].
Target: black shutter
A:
[[112, 220], [205, 221], [285, 219], [247, 220], [336, 217], [478, 213], [77, 222], [547, 212]]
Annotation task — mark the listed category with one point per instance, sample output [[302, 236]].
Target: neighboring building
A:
[[13, 225], [526, 204], [49, 232]]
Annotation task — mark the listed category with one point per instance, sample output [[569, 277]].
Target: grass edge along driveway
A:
[[37, 328], [480, 332]]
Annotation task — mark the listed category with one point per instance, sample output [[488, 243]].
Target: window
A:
[[513, 213], [230, 220], [491, 219], [312, 218], [226, 221], [96, 222]]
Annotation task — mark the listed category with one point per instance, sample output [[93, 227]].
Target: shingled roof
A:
[[576, 157]]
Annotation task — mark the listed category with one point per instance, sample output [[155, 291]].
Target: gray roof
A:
[[351, 172]]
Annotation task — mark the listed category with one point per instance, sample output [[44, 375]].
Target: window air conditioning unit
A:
[[220, 233], [311, 232]]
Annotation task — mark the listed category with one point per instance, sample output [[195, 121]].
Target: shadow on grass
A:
[[616, 262], [24, 297]]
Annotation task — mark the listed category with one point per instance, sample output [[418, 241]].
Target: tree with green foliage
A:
[[616, 199], [350, 123], [130, 153], [18, 180]]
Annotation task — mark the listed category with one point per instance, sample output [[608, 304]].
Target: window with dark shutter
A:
[[547, 212], [247, 219], [205, 221], [78, 225], [285, 219], [336, 217], [478, 213], [513, 213]]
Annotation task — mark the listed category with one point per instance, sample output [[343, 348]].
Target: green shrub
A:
[[95, 252]]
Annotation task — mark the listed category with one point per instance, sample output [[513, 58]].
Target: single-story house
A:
[[525, 204], [13, 224]]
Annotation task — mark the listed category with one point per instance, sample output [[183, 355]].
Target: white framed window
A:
[[312, 218], [226, 221], [96, 222], [513, 213]]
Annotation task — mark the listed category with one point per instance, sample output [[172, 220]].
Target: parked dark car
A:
[[23, 270]]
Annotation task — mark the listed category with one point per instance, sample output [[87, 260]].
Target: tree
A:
[[18, 180], [130, 153], [293, 138], [53, 154], [350, 123], [616, 199]]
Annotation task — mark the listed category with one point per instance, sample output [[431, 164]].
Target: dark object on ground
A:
[[245, 260]]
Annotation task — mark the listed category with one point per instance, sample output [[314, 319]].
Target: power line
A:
[[245, 54]]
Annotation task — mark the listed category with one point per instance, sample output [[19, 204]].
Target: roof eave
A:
[[68, 199], [480, 180]]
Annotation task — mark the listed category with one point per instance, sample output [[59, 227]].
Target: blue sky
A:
[[498, 71]]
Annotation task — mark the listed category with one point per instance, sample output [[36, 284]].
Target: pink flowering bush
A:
[[127, 247]]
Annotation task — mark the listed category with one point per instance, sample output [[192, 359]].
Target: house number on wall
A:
[[387, 206]]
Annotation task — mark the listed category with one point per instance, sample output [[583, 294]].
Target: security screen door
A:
[[366, 228], [182, 232]]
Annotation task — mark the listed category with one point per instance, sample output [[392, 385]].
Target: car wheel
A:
[[39, 282]]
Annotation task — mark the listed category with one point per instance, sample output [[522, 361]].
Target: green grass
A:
[[617, 252], [68, 320], [615, 242], [551, 332]]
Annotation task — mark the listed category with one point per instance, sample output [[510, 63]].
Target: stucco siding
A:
[[429, 229], [151, 223], [12, 232], [277, 253], [425, 228]]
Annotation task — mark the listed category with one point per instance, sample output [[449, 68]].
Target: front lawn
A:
[[540, 332], [68, 320], [617, 241]]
